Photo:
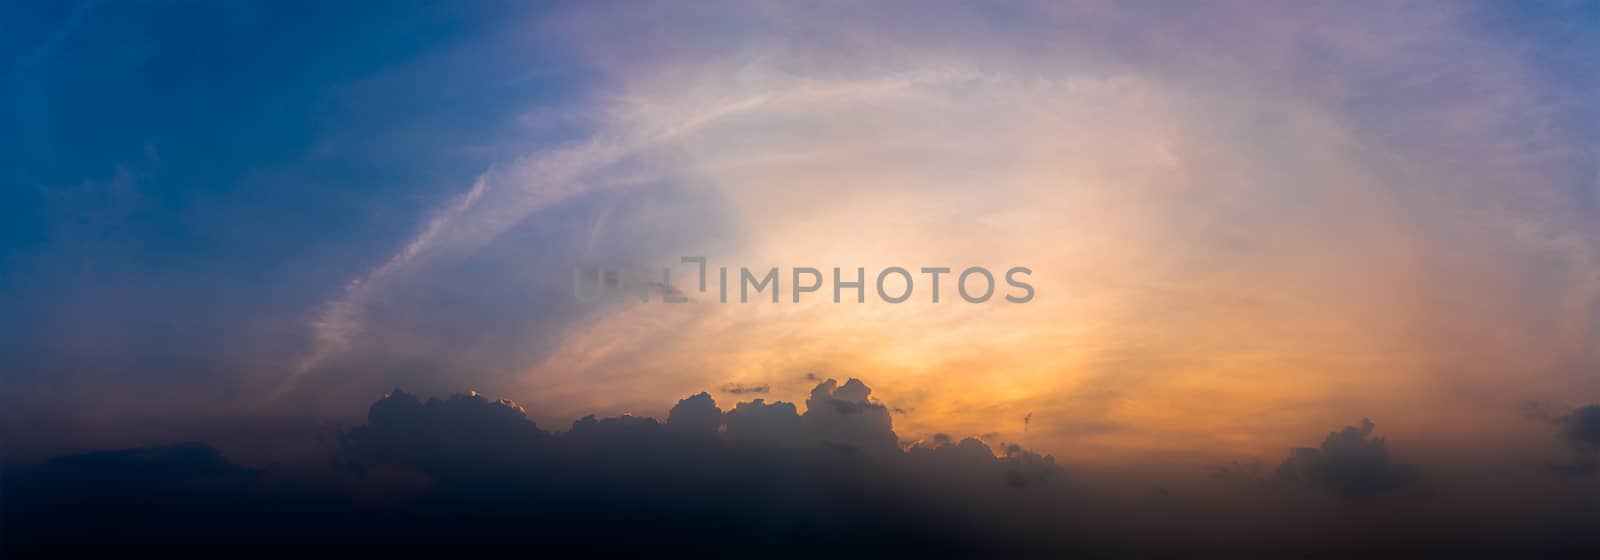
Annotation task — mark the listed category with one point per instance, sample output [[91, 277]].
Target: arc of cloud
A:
[[505, 195], [463, 223]]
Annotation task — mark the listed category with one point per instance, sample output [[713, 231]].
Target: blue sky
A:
[[184, 173]]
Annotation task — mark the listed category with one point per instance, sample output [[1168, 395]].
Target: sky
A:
[[1248, 225]]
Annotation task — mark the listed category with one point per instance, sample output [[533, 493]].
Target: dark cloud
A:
[[466, 472], [1581, 429], [696, 415], [761, 473], [738, 389], [1350, 463], [445, 436], [1579, 432], [844, 417], [760, 421]]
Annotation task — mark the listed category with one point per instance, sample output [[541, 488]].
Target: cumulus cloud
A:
[[444, 435], [697, 414], [835, 472], [759, 473], [845, 417], [1350, 462], [471, 472]]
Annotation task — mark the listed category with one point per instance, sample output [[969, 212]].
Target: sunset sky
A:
[[1248, 223]]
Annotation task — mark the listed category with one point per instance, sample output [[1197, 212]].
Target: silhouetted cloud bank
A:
[[1351, 462], [468, 473]]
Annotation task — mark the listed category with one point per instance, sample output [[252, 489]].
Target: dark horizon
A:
[[470, 474]]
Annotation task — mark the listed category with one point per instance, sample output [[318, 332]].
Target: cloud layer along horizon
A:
[[468, 473]]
